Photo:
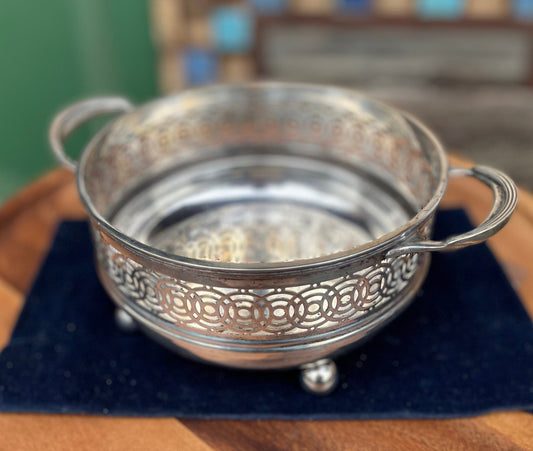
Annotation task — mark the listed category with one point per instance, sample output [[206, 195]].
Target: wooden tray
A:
[[27, 224]]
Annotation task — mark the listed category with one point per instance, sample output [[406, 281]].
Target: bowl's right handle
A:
[[505, 198], [74, 115]]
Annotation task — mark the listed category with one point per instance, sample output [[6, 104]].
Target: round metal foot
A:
[[124, 321], [319, 377]]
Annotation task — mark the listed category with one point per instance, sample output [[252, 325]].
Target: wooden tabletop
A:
[[27, 224]]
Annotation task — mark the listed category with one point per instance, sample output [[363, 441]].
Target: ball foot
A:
[[320, 377], [124, 321]]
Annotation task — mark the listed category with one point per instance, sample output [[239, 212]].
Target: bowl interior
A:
[[260, 173]]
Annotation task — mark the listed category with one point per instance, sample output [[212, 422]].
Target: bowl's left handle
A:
[[74, 115]]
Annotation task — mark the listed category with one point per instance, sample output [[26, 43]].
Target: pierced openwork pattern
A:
[[252, 313]]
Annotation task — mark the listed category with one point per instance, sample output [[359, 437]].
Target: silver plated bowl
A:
[[265, 225]]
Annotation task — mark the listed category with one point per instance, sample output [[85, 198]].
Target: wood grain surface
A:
[[27, 224]]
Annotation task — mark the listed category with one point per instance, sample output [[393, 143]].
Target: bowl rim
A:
[[285, 269]]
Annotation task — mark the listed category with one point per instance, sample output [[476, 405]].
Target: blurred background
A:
[[464, 66]]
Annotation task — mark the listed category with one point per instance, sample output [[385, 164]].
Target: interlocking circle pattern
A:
[[253, 313]]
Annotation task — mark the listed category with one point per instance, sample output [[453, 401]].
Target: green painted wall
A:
[[58, 51]]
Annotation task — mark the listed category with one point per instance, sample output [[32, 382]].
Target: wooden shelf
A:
[[263, 23]]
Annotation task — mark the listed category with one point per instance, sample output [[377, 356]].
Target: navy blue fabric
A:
[[464, 347]]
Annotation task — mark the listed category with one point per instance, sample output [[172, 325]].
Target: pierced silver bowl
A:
[[265, 225]]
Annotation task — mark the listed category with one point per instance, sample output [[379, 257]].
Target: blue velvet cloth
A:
[[464, 347]]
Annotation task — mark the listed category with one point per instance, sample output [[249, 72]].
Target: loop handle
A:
[[505, 199], [74, 115]]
